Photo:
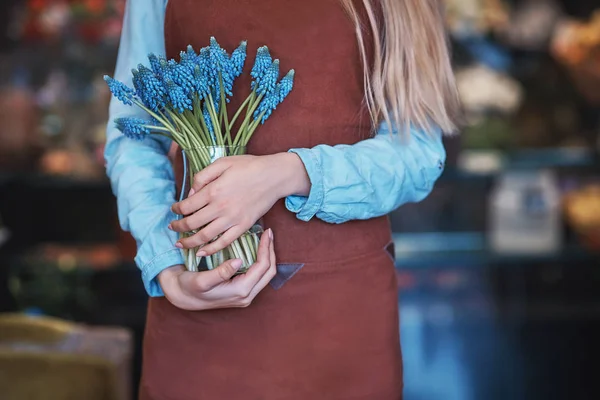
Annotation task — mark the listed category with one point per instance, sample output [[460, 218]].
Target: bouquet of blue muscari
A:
[[186, 101]]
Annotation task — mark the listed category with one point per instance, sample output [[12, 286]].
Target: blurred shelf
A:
[[519, 159], [440, 250], [485, 165], [36, 179], [4, 235]]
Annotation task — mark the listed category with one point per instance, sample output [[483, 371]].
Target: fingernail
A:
[[270, 233], [201, 253], [237, 263], [170, 227], [179, 245], [191, 193]]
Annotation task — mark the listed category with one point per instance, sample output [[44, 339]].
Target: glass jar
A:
[[245, 247]]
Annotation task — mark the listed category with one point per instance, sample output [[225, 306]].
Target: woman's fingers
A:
[[216, 288], [199, 283], [248, 285], [209, 174], [230, 235], [269, 275], [207, 235], [192, 204], [196, 220]]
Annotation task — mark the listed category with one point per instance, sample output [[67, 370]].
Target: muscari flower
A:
[[150, 89], [189, 56], [200, 83], [208, 119], [238, 58], [267, 82], [203, 61], [137, 81], [177, 97], [271, 101], [157, 64], [221, 63], [183, 76], [262, 62], [133, 128], [120, 90], [286, 85]]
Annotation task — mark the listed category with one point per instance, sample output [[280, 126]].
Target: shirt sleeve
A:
[[370, 178], [140, 172]]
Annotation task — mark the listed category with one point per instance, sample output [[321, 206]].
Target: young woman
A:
[[321, 178]]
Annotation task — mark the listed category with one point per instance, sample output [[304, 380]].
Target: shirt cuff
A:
[[304, 207], [151, 270]]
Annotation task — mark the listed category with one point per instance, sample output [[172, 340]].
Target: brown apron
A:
[[331, 332]]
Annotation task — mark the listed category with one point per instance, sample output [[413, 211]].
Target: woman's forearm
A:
[[292, 175]]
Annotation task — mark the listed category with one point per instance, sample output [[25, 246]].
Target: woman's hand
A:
[[232, 194], [212, 289]]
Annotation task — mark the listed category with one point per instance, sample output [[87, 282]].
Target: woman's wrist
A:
[[292, 176]]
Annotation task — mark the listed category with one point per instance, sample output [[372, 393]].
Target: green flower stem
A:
[[186, 144], [191, 118], [248, 248], [192, 139], [209, 263], [253, 125], [248, 100], [189, 130], [197, 107], [215, 120], [157, 128], [247, 251], [210, 140], [224, 115], [239, 251], [242, 130], [159, 117]]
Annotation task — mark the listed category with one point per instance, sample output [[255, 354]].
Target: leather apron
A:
[[331, 332]]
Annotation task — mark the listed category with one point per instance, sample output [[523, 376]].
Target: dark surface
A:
[[481, 359], [486, 334]]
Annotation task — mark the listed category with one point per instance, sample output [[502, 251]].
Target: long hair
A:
[[410, 78]]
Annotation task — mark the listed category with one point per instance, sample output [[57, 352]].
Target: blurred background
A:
[[498, 269]]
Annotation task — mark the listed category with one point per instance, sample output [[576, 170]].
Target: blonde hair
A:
[[410, 78]]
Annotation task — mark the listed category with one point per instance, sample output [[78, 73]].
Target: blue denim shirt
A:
[[360, 181]]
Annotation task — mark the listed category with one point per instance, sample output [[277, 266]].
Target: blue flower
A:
[[165, 70], [267, 82], [119, 90], [286, 85], [266, 107], [200, 83], [221, 63], [183, 76], [203, 60], [262, 62], [133, 128], [188, 56], [216, 96], [178, 98], [238, 58], [272, 100], [157, 64], [207, 119], [150, 89], [137, 81]]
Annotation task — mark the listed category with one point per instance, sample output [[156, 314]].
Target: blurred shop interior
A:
[[498, 272]]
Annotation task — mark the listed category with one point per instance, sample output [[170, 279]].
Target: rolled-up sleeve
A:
[[140, 172], [370, 178]]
